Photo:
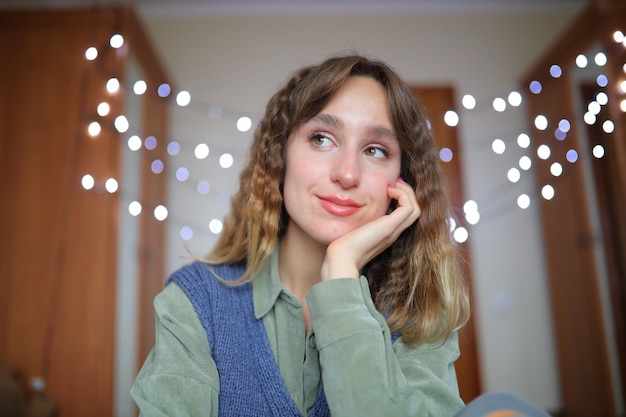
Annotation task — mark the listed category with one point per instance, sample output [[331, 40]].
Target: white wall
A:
[[239, 61]]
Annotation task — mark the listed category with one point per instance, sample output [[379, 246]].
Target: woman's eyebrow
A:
[[374, 130], [328, 119], [382, 132]]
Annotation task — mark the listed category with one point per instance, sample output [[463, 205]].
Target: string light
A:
[[173, 148], [91, 53], [556, 71], [134, 208], [499, 104], [446, 154], [216, 226], [121, 124], [244, 124], [451, 224], [556, 169], [608, 126], [514, 175], [589, 118], [541, 122], [515, 98], [140, 87], [226, 160], [469, 102], [460, 234], [215, 111], [186, 233], [164, 90], [87, 182], [535, 87], [598, 151], [559, 134], [451, 118], [157, 166], [201, 151], [103, 109], [113, 85], [160, 212], [111, 185], [182, 174], [134, 143], [116, 41], [203, 187], [150, 142], [594, 107], [94, 129], [525, 163], [183, 98], [523, 140], [523, 201], [543, 151], [547, 192], [472, 215], [498, 146]]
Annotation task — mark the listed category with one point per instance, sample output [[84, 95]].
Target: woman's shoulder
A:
[[203, 268], [201, 271]]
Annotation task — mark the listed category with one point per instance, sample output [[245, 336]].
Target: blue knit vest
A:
[[250, 381]]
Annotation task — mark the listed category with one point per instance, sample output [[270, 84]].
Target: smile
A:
[[339, 206]]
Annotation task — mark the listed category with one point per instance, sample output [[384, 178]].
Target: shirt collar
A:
[[266, 287]]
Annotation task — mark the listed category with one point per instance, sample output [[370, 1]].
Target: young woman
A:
[[334, 287]]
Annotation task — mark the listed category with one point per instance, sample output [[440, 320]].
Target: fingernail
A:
[[400, 180]]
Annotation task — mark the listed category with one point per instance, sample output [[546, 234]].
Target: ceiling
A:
[[256, 7]]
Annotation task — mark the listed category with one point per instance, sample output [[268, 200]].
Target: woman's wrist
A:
[[336, 266]]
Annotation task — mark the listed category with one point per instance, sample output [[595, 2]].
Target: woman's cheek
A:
[[388, 202]]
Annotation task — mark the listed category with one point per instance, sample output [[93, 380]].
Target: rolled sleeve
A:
[[179, 377], [363, 373], [339, 309]]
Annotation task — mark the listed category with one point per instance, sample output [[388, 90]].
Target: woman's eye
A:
[[319, 139], [376, 152]]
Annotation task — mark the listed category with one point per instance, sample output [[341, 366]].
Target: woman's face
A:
[[339, 163]]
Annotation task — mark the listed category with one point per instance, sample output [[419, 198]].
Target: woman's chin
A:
[[321, 232], [328, 237]]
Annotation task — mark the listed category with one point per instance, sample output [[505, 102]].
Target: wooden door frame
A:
[[585, 367], [436, 100]]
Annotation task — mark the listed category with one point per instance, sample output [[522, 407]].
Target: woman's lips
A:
[[339, 206]]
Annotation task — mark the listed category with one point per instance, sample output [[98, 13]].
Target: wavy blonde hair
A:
[[416, 282]]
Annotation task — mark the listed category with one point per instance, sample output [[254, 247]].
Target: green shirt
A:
[[348, 346]]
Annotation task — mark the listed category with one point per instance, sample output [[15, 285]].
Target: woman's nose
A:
[[346, 169]]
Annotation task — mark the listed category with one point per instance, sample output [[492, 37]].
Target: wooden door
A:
[[436, 100], [58, 252], [58, 249], [586, 334]]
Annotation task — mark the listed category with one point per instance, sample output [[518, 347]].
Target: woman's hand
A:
[[347, 255]]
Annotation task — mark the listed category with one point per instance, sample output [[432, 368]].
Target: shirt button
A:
[[312, 342]]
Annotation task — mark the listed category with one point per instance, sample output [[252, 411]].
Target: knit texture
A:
[[250, 381]]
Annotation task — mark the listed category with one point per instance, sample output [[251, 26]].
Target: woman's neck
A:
[[299, 261]]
